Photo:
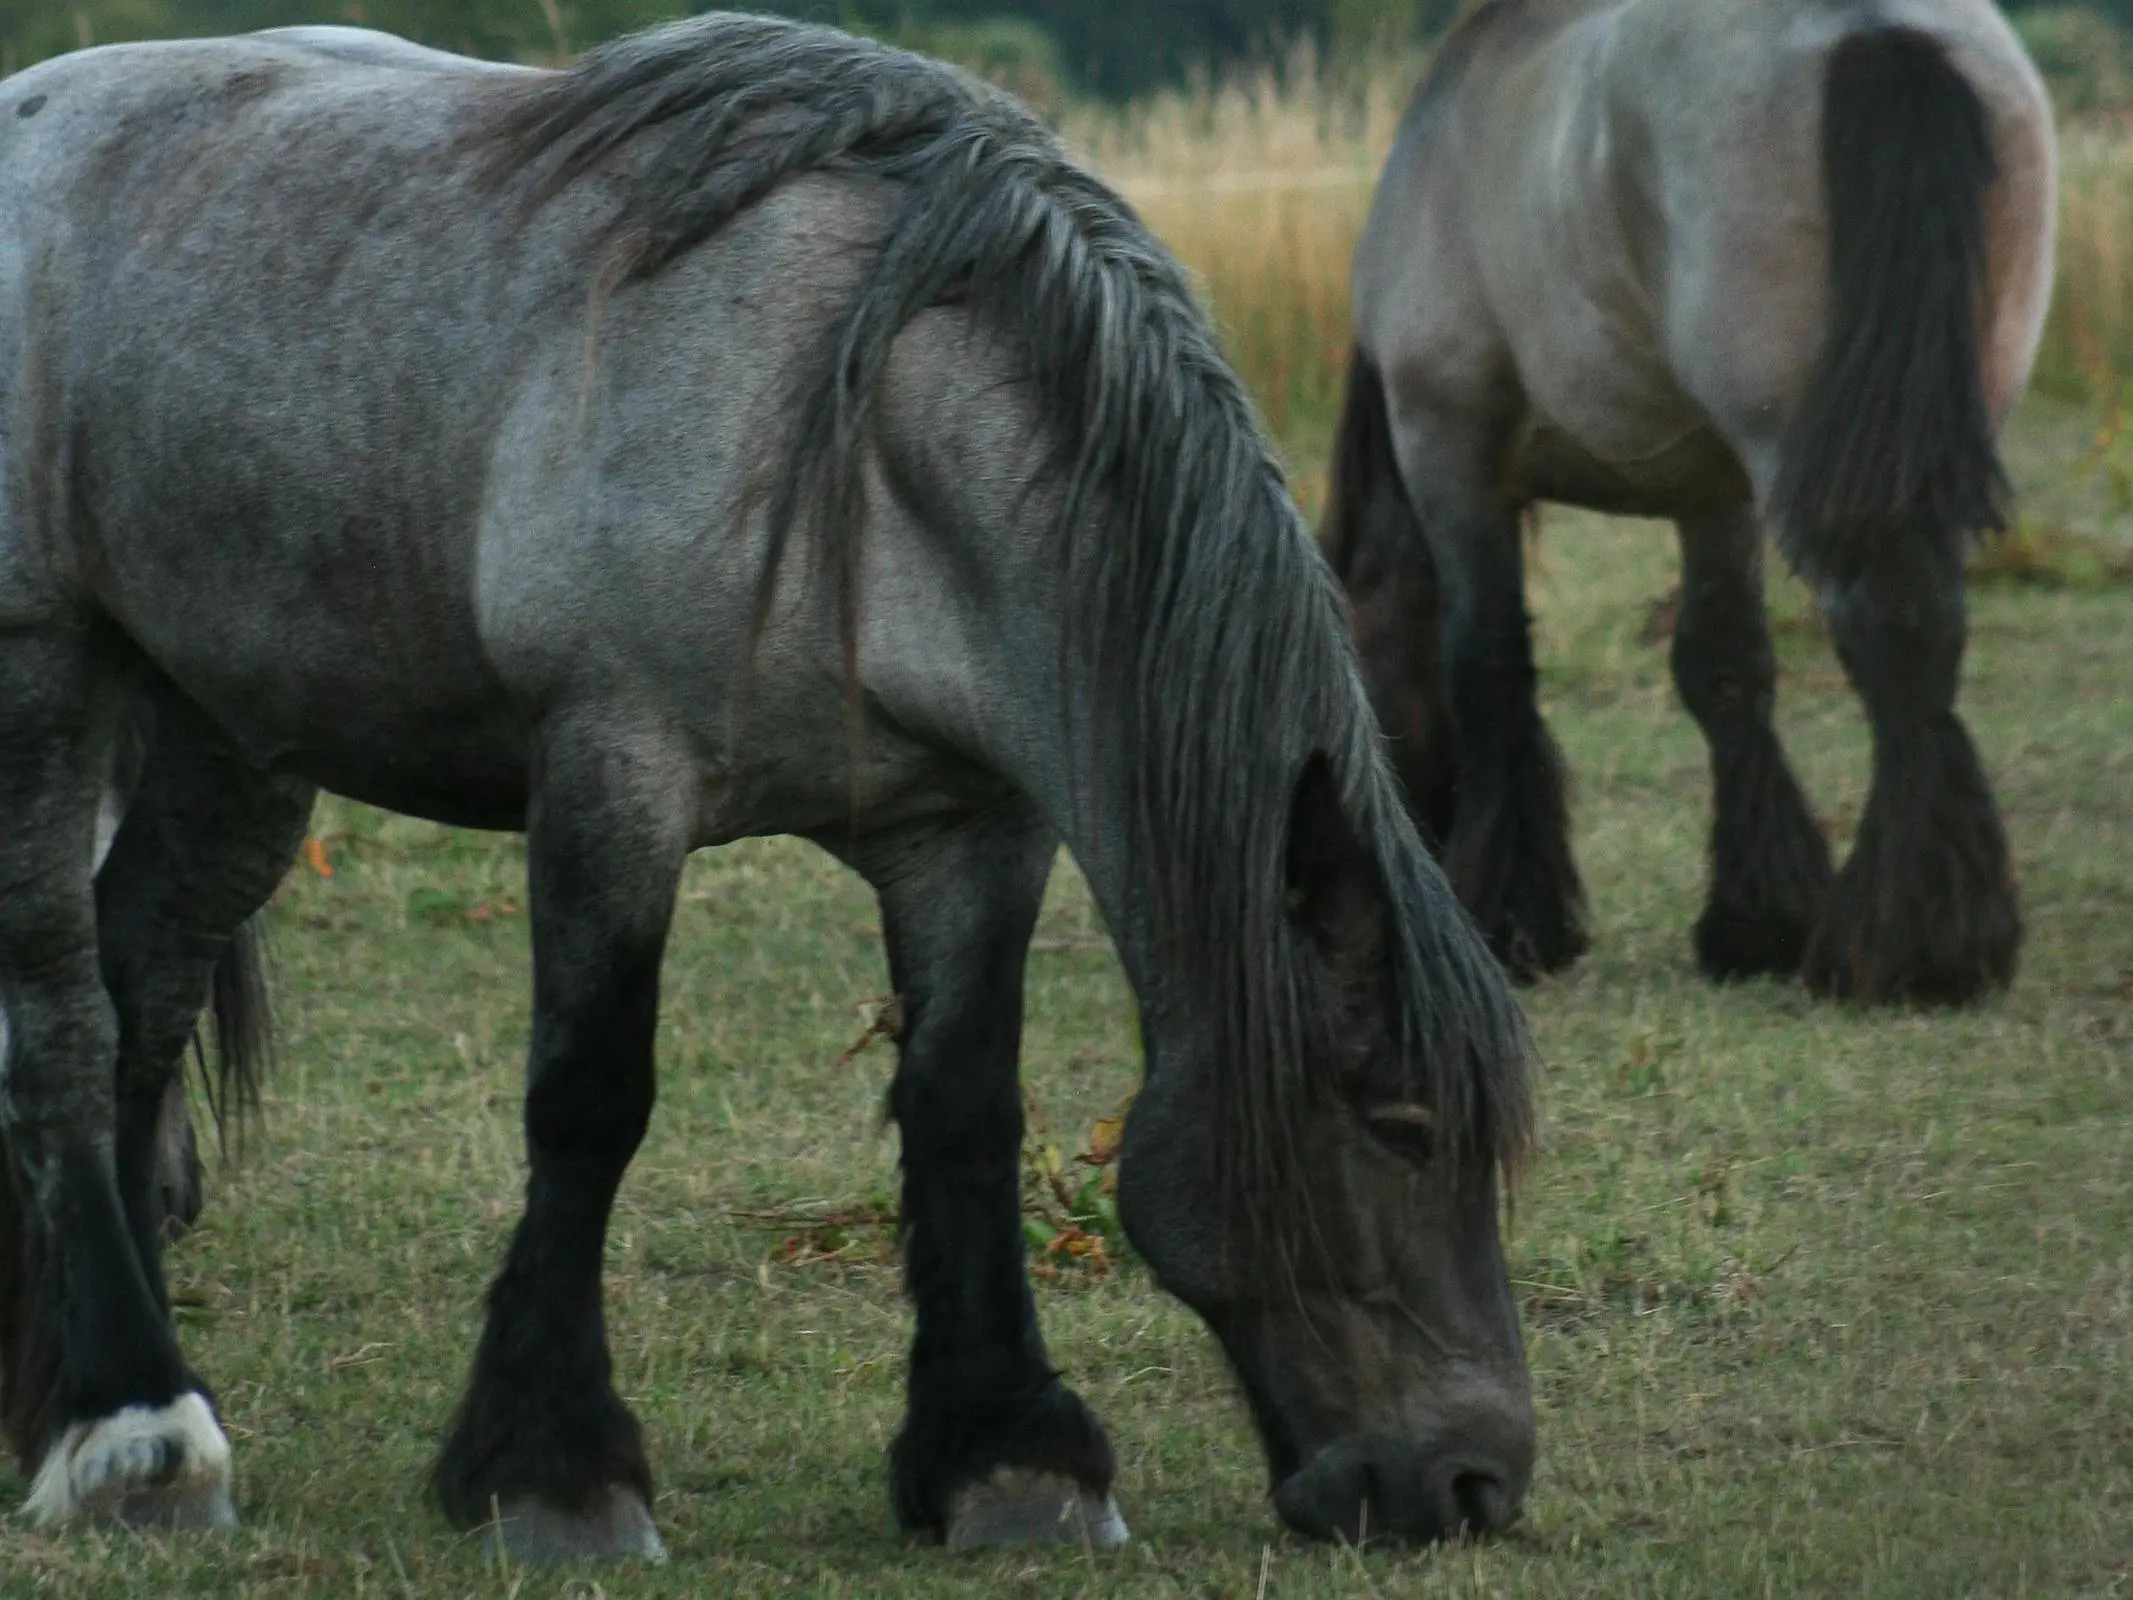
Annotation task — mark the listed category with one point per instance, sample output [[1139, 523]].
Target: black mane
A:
[[1207, 626]]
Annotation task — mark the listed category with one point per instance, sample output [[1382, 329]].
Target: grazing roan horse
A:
[[1743, 264], [751, 430]]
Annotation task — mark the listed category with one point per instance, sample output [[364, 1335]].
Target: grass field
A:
[[1819, 1302]]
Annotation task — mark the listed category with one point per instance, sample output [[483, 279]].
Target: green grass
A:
[[1820, 1302]]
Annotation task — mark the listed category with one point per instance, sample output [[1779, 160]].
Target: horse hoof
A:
[[615, 1526], [149, 1467], [1733, 946], [1530, 958], [1021, 1506]]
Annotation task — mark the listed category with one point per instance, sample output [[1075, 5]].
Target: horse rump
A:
[[1893, 438]]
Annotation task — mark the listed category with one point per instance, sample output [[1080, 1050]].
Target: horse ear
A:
[[1334, 893]]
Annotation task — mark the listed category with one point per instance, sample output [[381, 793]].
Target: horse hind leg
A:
[[994, 1449], [1925, 909], [1770, 867]]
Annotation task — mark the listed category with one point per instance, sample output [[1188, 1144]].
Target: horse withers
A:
[[1746, 264], [751, 430]]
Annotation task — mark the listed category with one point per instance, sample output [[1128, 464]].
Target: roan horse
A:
[[440, 434], [1741, 263]]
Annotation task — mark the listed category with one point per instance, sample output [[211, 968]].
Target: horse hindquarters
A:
[[1888, 465], [1436, 547], [1770, 870]]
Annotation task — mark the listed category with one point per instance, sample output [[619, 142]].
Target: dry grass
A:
[[2088, 341], [1262, 184]]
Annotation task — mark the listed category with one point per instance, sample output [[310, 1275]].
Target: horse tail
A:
[[241, 1002], [1893, 435], [1373, 539]]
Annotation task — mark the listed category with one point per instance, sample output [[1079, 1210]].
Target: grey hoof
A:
[[1020, 1506], [615, 1527], [192, 1508]]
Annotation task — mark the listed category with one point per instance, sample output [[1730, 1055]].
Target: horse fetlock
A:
[[1024, 1506], [613, 1525], [1770, 878], [1736, 941], [1509, 856], [1030, 1463], [1925, 911], [1523, 891], [143, 1467]]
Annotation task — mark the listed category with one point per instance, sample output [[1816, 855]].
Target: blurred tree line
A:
[[1112, 47], [1108, 47]]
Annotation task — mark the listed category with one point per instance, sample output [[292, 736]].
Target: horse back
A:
[[380, 465]]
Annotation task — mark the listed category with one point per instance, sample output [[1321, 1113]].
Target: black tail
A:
[[1892, 437], [1375, 543], [241, 1002]]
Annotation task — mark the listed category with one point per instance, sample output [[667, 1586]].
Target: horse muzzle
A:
[[1467, 1481]]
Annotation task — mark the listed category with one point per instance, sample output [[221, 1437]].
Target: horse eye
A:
[[1406, 1129]]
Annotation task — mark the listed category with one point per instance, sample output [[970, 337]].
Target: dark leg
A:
[[1395, 607], [1509, 850], [994, 1448], [202, 845], [1925, 908], [205, 840], [1769, 862], [542, 1441], [118, 1426]]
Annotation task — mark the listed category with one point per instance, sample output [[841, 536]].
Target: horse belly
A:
[[396, 707], [1691, 471]]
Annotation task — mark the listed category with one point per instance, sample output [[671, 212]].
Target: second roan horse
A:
[[1749, 265]]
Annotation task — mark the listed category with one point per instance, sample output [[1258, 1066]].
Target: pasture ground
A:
[[1819, 1301]]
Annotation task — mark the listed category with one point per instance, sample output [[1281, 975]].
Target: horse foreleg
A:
[[1925, 909], [543, 1449], [994, 1448], [1508, 854], [99, 1402], [1770, 868], [205, 838]]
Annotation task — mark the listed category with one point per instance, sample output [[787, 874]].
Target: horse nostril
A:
[[1483, 1505]]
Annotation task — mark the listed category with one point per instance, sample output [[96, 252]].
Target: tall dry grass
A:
[[2088, 341], [1261, 185]]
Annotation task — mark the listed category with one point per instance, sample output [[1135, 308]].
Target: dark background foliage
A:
[[1108, 47]]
